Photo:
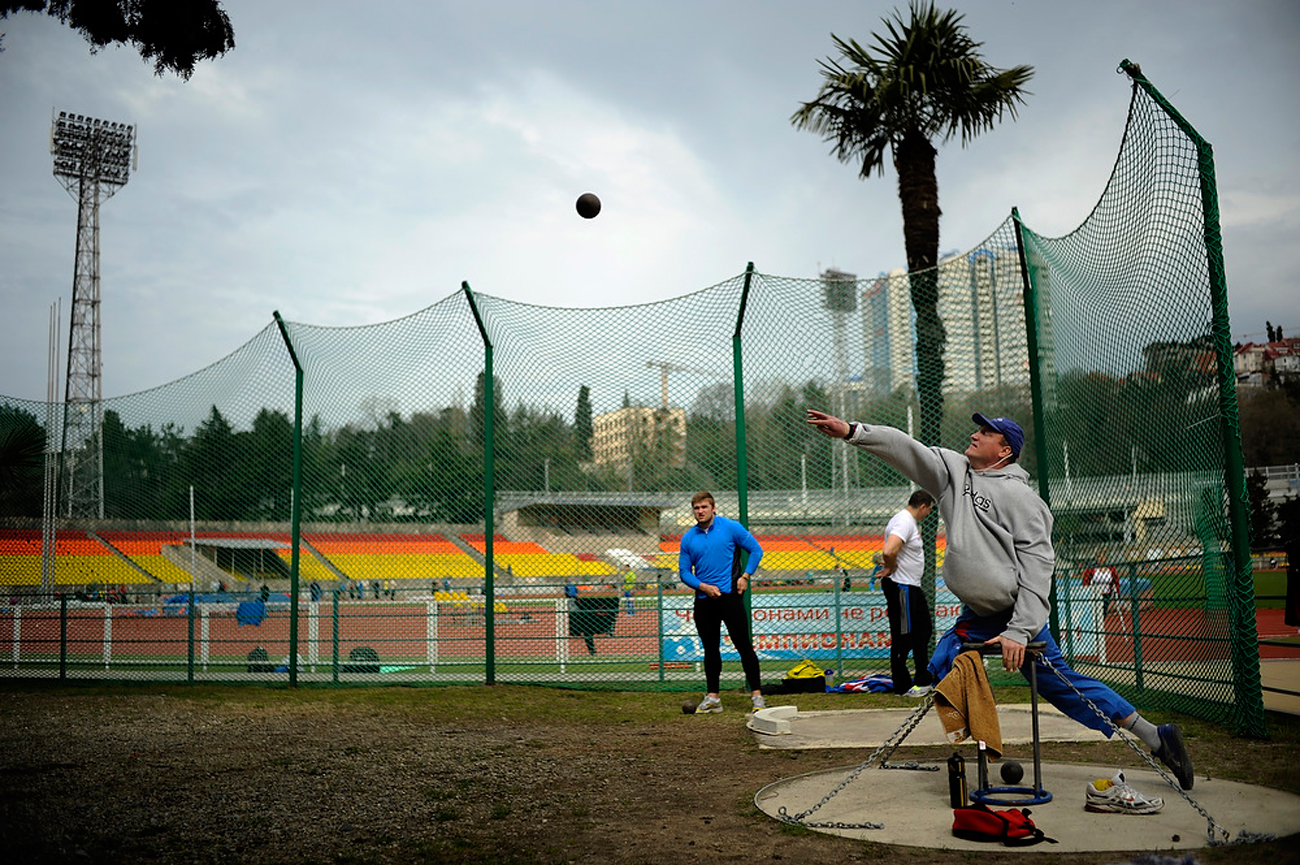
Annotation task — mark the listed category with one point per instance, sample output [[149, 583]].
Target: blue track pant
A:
[[971, 628]]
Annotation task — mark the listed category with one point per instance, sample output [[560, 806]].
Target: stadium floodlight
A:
[[92, 159]]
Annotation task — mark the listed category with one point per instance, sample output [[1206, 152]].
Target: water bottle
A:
[[957, 780]]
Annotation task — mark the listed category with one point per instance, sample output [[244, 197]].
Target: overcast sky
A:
[[350, 163]]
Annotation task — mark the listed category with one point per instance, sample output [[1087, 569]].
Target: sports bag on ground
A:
[[804, 677], [1012, 827]]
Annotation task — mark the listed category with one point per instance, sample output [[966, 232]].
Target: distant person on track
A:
[[1101, 577], [580, 620], [709, 562], [999, 563], [629, 591], [911, 617]]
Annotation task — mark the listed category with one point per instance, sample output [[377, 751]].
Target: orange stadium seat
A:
[[390, 556]]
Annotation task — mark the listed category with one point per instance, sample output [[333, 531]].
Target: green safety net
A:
[[492, 491]]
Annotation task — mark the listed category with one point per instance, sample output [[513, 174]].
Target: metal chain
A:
[[908, 726], [891, 744], [905, 730], [1211, 827]]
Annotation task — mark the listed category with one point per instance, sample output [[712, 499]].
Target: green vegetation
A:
[[1270, 590]]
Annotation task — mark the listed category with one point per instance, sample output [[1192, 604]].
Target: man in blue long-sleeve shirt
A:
[[709, 563]]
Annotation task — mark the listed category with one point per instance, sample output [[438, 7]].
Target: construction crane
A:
[[665, 368]]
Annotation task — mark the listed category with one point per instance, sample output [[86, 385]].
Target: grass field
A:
[[1270, 589]]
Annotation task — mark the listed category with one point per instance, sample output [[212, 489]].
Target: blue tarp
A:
[[175, 605], [250, 612]]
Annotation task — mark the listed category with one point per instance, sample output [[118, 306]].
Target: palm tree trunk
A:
[[918, 190]]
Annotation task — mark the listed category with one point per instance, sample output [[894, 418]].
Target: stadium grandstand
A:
[[80, 559], [530, 560], [427, 558]]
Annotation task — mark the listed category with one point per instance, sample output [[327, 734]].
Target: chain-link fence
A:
[[492, 491]]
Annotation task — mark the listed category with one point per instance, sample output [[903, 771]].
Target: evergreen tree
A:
[[212, 463], [582, 424], [268, 483], [22, 458], [478, 413], [1263, 512]]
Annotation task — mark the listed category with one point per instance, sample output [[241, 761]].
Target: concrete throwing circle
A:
[[914, 809]]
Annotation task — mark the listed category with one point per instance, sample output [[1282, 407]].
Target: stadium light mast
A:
[[92, 159], [840, 298]]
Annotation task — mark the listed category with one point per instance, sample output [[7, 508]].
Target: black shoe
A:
[[1174, 754]]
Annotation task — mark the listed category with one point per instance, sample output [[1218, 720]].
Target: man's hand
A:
[[710, 590], [1013, 653], [827, 424]]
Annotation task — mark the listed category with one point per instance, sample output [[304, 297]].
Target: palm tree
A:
[[925, 80]]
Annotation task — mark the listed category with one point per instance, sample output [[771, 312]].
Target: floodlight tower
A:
[[92, 159], [840, 297]]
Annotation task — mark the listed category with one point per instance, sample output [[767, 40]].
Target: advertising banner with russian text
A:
[[793, 626]]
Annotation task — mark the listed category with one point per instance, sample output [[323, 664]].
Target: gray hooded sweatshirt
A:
[[999, 531]]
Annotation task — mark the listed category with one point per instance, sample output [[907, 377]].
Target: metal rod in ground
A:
[[1033, 713]]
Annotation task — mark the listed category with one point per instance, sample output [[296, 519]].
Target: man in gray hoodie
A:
[[999, 562]]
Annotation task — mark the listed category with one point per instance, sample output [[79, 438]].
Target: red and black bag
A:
[[1012, 827]]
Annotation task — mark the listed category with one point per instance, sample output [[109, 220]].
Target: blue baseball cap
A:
[[1010, 430]]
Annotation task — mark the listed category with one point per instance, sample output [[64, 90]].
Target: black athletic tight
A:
[[710, 615]]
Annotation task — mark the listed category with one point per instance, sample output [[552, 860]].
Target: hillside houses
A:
[[1267, 364]]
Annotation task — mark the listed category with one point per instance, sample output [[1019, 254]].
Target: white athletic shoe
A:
[[758, 701], [709, 704], [918, 691], [1114, 796]]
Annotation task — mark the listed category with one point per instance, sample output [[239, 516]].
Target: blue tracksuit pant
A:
[[971, 628]]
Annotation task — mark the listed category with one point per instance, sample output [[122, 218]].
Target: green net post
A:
[[295, 508], [334, 640], [659, 627], [738, 379], [1135, 605], [839, 629], [189, 621], [1249, 706], [63, 637], [1036, 388], [489, 490]]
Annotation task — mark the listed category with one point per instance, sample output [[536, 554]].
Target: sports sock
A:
[[1143, 729]]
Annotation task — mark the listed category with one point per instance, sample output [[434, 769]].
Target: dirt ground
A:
[[466, 775]]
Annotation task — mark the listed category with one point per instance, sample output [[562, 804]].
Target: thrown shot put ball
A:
[[588, 205], [688, 708], [1012, 772]]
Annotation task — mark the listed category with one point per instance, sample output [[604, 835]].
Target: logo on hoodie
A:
[[979, 500]]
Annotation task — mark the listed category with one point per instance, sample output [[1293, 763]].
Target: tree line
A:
[[429, 466]]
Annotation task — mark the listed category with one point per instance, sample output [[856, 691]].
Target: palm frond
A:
[[924, 73]]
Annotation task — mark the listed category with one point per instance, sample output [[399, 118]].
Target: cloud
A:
[[1242, 208], [351, 168]]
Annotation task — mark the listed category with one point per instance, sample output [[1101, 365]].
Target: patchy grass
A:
[[458, 774]]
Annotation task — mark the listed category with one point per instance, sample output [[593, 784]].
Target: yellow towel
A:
[[964, 701]]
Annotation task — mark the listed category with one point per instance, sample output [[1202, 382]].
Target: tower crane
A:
[[666, 367]]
